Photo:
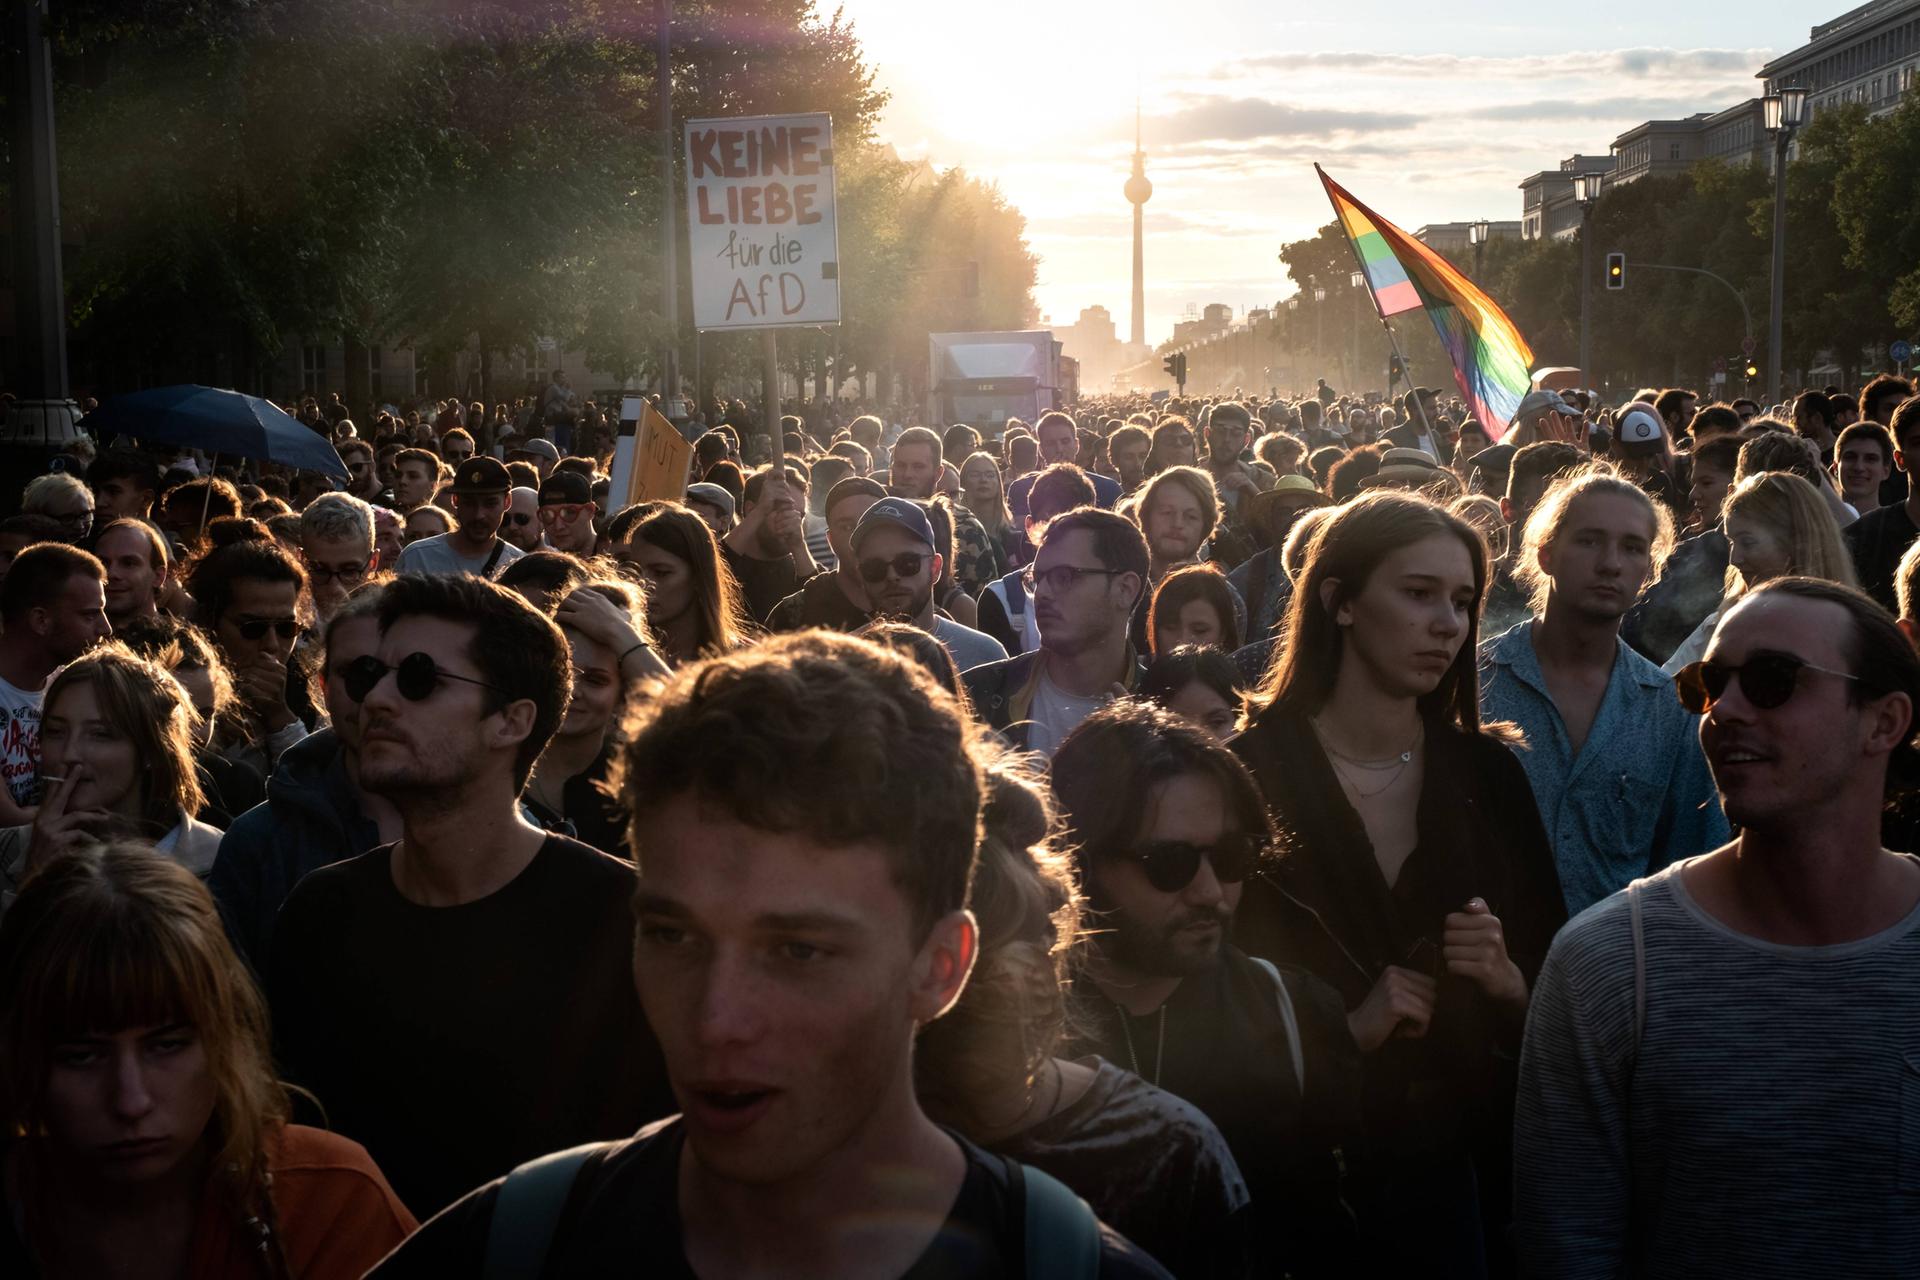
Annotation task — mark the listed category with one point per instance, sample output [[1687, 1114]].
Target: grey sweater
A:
[[1765, 1122]]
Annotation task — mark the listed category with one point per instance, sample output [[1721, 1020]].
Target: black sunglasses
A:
[[906, 564], [254, 628], [1172, 864], [416, 676], [519, 517], [1767, 680]]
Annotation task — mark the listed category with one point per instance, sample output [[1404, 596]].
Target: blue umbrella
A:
[[218, 422]]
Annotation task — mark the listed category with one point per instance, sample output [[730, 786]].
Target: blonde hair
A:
[[114, 937], [43, 491], [1483, 513], [150, 709], [1795, 513], [1550, 517], [1195, 481]]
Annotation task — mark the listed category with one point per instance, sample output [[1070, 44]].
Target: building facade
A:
[[1735, 136], [1457, 237], [1548, 210], [1869, 55]]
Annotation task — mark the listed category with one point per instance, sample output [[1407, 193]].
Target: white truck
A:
[[983, 379]]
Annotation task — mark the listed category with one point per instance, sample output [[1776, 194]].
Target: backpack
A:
[[1061, 1235], [1011, 592]]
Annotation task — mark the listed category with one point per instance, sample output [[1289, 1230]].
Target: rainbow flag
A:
[[1491, 361]]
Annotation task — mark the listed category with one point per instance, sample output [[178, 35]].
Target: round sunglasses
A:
[[1171, 865], [415, 676], [905, 565], [1767, 680]]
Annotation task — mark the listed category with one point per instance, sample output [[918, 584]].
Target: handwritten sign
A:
[[761, 228], [661, 457]]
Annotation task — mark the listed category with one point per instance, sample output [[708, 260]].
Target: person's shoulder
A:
[[318, 1158], [421, 551], [1600, 936], [581, 860], [1644, 672], [328, 888], [1122, 1259]]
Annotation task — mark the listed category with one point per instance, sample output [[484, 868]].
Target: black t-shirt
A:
[[622, 1218], [1220, 1043], [763, 583], [457, 1042], [818, 603], [587, 814], [1877, 540]]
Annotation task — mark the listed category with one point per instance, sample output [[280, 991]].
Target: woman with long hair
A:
[[1778, 525], [1149, 1163], [1418, 879], [145, 1133], [117, 736], [984, 493], [693, 604], [1198, 683]]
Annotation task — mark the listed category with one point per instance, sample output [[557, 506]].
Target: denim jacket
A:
[[1637, 797]]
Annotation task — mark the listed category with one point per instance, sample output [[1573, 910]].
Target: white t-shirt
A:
[[436, 555], [1055, 713], [20, 742]]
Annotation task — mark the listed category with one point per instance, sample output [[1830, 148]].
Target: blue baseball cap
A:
[[904, 512]]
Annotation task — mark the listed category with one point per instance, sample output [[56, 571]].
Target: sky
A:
[[1426, 112]]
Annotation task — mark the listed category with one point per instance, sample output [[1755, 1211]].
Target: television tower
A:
[[1139, 191]]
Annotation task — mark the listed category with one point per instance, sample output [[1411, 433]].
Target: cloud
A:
[[1598, 109], [1638, 63], [1230, 119]]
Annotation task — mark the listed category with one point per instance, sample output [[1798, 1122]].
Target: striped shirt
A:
[[1766, 1123]]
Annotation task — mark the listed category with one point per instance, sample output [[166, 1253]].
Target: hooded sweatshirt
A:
[[311, 817]]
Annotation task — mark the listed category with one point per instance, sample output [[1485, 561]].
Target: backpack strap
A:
[[493, 561], [526, 1210], [1639, 965], [1292, 1021], [1062, 1237]]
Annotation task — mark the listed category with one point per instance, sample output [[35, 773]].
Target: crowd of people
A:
[[1237, 835]]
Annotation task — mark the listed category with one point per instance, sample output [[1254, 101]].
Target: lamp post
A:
[[1359, 283], [1319, 318], [1784, 110], [1477, 237], [1586, 193]]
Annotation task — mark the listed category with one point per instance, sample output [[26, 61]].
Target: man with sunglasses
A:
[[247, 597], [479, 495], [1718, 1077], [520, 526], [1614, 765], [893, 552], [336, 544], [1167, 825], [566, 512], [1084, 582], [458, 1000]]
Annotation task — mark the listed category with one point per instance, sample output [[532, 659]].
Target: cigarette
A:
[[50, 778]]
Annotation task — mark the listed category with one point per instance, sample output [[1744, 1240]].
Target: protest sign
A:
[[761, 229]]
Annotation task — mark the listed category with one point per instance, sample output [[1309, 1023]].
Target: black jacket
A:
[[1002, 692], [1327, 908]]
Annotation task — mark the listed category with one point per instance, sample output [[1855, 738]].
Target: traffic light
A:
[[1395, 371], [1172, 365], [1616, 271], [1181, 376], [1750, 367]]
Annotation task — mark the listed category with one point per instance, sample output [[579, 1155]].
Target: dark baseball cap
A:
[[903, 512], [479, 476], [565, 487]]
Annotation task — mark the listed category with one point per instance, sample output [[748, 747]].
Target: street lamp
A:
[[1586, 193], [1359, 283], [1783, 111], [1477, 237]]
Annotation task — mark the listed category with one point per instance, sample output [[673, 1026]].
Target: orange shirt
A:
[[337, 1215]]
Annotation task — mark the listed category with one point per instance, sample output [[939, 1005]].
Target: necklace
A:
[[1159, 1051], [1398, 764]]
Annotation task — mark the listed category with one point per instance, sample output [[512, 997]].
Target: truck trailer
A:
[[983, 379]]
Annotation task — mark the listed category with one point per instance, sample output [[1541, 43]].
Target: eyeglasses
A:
[[1767, 680], [1172, 864], [344, 572], [254, 628], [1062, 577], [553, 512], [519, 518], [416, 676], [905, 565], [79, 521]]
